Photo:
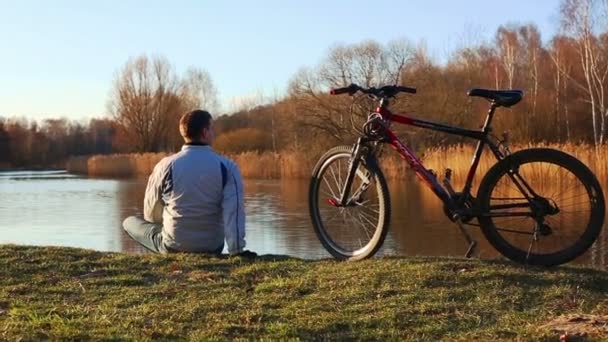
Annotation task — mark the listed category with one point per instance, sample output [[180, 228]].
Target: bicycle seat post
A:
[[487, 125]]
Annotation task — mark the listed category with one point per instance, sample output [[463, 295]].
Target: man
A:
[[200, 194]]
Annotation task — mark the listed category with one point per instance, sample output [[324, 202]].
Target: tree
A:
[[560, 51], [508, 47], [367, 64], [148, 99], [199, 91], [145, 101], [580, 19], [5, 144]]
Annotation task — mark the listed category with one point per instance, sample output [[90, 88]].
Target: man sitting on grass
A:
[[200, 195]]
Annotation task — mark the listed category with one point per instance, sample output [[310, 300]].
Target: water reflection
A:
[[62, 209]]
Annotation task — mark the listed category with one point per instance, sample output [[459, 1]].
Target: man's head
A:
[[197, 126]]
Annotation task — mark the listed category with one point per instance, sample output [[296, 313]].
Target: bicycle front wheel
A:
[[541, 207], [356, 230]]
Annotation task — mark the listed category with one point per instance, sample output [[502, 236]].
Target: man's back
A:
[[200, 195], [192, 186]]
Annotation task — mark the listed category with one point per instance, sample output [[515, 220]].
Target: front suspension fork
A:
[[355, 159]]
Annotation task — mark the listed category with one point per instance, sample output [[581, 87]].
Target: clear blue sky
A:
[[58, 58]]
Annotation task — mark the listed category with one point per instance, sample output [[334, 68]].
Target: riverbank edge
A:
[[68, 293]]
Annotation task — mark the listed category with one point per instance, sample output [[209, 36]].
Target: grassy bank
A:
[[63, 293], [270, 165]]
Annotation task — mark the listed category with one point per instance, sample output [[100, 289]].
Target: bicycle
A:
[[516, 205]]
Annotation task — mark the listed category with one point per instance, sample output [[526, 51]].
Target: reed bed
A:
[[77, 165], [299, 165], [267, 165], [115, 165], [459, 158]]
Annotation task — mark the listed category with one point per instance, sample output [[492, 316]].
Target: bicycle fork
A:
[[353, 170]]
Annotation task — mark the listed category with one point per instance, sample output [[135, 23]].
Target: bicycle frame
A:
[[416, 164], [460, 207]]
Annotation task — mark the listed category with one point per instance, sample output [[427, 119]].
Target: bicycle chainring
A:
[[465, 209]]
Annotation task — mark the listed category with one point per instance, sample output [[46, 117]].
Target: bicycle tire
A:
[[383, 223], [563, 162]]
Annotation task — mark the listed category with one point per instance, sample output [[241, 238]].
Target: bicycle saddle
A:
[[504, 98]]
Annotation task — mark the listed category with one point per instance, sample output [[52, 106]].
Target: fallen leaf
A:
[[175, 267]]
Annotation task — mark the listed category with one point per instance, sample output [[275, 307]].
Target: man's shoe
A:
[[248, 254]]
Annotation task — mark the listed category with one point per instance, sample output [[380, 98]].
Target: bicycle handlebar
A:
[[389, 90], [409, 90], [351, 89]]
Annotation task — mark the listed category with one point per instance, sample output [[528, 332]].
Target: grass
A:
[[65, 293]]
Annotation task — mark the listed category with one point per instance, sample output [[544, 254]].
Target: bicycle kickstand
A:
[[472, 243]]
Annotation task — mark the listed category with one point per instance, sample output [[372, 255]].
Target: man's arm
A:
[[233, 209], [153, 202]]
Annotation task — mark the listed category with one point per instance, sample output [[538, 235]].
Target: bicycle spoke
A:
[[330, 189], [371, 223], [366, 231], [328, 194], [331, 168], [340, 173]]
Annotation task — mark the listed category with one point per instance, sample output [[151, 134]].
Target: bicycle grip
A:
[[407, 89], [351, 89]]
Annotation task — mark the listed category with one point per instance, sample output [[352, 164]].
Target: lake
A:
[[56, 208]]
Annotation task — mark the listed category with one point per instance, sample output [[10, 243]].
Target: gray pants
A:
[[149, 235]]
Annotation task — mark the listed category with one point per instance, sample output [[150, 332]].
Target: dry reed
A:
[[294, 165], [115, 165]]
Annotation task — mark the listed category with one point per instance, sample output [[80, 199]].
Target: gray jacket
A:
[[201, 196]]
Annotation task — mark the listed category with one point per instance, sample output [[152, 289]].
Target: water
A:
[[56, 208]]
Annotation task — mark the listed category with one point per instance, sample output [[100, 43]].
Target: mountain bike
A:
[[536, 206]]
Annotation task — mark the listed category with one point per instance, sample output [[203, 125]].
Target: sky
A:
[[59, 58]]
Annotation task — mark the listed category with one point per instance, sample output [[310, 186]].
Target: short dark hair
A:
[[191, 124]]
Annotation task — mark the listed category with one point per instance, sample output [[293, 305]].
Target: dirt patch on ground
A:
[[578, 327]]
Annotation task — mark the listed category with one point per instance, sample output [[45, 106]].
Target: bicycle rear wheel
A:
[[541, 207], [357, 230]]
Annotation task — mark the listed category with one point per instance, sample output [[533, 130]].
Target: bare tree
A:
[[144, 99], [398, 55], [199, 91], [337, 69], [366, 64], [562, 66], [532, 48], [508, 46], [247, 102], [580, 20]]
